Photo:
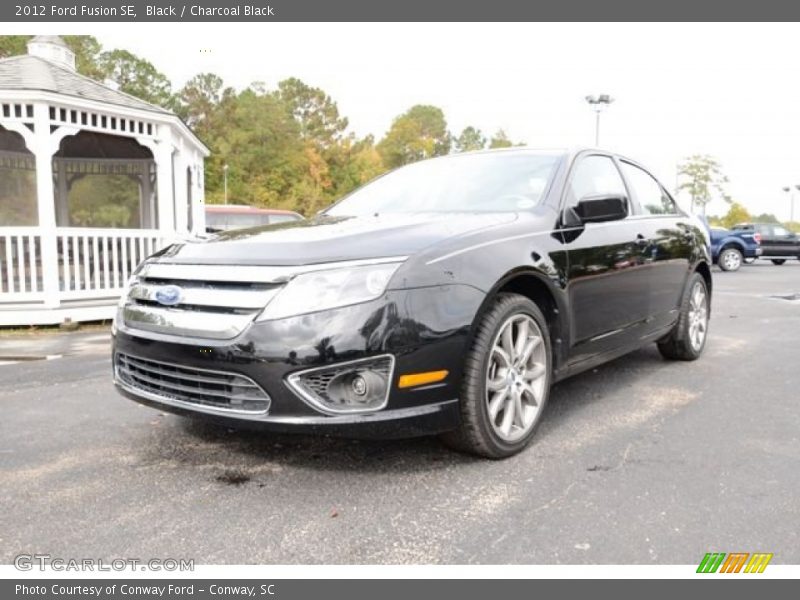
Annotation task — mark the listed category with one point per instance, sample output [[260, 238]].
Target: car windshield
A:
[[482, 182]]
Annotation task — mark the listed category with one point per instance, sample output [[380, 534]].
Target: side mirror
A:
[[602, 208]]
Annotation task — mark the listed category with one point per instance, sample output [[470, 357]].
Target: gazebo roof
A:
[[27, 72], [50, 39]]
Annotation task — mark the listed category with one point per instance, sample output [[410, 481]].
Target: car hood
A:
[[330, 239]]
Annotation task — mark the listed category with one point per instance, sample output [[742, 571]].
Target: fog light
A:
[[351, 387], [359, 385]]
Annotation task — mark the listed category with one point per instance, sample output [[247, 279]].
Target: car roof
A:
[[246, 208], [570, 152]]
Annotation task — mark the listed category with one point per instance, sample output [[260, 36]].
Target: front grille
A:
[[200, 387], [212, 302]]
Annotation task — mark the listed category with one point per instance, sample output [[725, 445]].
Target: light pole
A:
[[790, 191], [598, 104], [225, 181]]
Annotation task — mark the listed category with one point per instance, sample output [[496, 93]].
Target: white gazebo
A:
[[92, 180]]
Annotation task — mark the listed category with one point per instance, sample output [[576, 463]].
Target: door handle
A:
[[641, 241]]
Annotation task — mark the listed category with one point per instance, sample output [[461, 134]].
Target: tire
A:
[[778, 261], [489, 386], [730, 259], [683, 343]]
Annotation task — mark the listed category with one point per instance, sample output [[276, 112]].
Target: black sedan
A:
[[444, 297]]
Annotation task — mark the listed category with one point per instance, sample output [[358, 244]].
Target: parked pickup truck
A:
[[730, 248], [777, 242]]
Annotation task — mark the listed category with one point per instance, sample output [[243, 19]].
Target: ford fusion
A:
[[445, 297]]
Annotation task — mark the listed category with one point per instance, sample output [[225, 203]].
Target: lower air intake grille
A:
[[213, 389]]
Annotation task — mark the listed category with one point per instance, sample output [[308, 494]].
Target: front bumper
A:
[[424, 329]]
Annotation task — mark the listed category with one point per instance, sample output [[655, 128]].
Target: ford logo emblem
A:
[[168, 295]]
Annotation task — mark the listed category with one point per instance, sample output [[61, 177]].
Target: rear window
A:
[[283, 218], [219, 221]]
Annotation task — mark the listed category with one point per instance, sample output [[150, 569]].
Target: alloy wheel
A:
[[698, 316], [516, 376]]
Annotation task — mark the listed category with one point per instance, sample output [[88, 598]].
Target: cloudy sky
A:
[[732, 91]]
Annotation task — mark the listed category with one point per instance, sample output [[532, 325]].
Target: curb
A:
[[28, 357]]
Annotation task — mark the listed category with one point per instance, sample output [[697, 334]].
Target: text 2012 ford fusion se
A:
[[444, 297]]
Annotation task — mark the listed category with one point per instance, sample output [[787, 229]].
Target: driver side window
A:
[[594, 175], [777, 230]]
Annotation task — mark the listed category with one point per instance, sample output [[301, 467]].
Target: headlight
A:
[[326, 289], [123, 297], [132, 280]]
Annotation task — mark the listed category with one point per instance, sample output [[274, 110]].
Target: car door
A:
[[606, 285], [769, 246], [784, 242], [670, 238]]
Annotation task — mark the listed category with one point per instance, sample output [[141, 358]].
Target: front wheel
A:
[[778, 261], [506, 380], [730, 259], [688, 338]]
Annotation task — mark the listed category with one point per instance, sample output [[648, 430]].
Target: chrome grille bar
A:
[[207, 295], [177, 321]]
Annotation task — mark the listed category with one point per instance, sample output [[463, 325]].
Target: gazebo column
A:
[[43, 151], [162, 156], [199, 194], [181, 193], [164, 185], [44, 145], [146, 204], [62, 206]]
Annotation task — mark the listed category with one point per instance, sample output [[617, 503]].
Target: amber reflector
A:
[[415, 379]]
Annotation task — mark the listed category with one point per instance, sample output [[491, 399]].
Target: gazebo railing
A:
[[20, 264], [90, 263], [98, 262]]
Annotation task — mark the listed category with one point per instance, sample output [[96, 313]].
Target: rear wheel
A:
[[778, 261], [688, 338], [506, 380], [730, 259]]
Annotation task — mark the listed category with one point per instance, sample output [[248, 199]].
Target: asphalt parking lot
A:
[[639, 461]]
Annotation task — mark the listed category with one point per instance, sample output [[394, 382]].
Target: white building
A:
[[92, 180]]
